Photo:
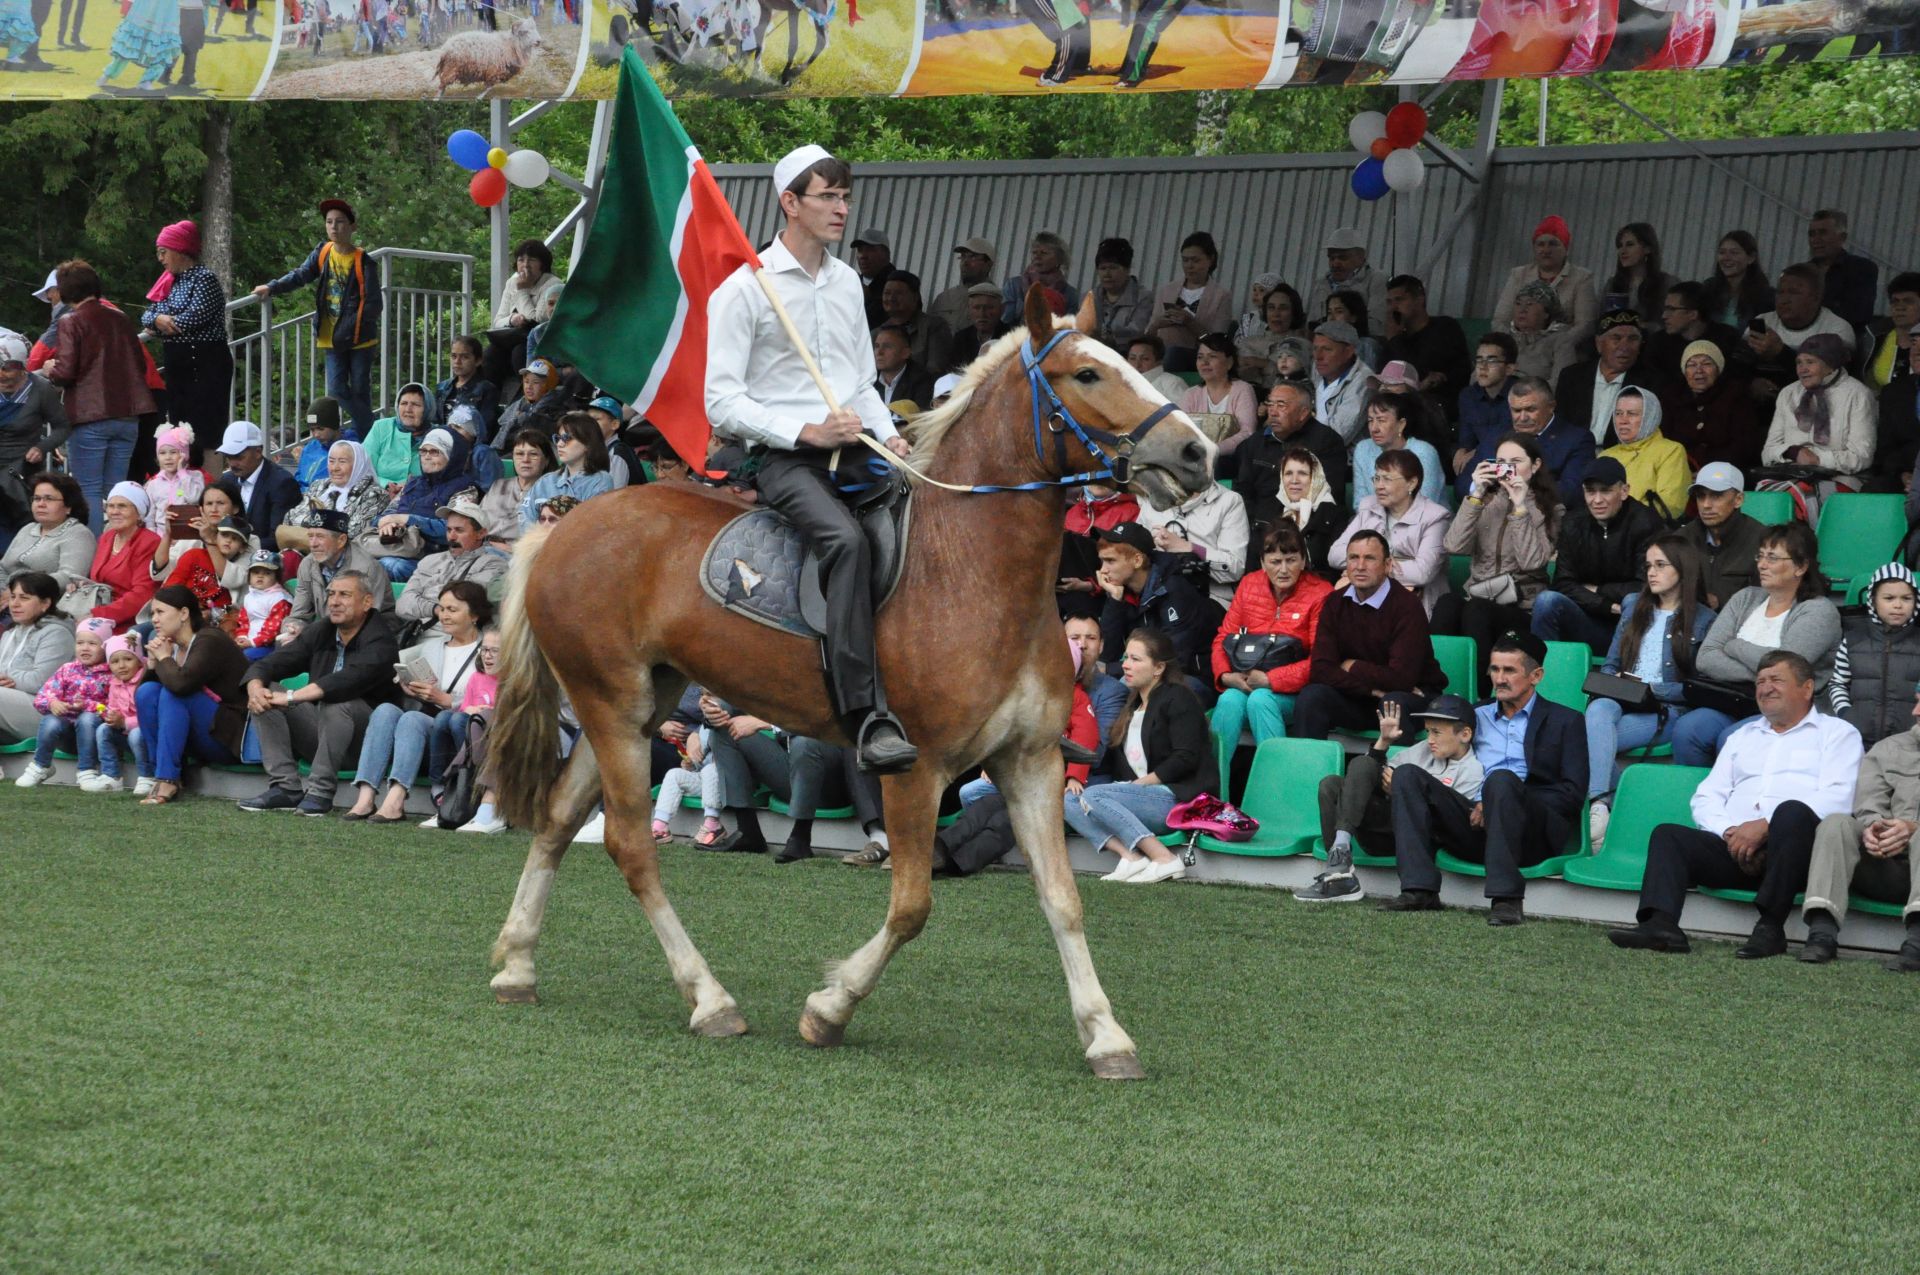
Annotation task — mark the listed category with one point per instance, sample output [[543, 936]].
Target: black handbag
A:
[[1263, 652], [460, 800], [1735, 699], [1630, 693]]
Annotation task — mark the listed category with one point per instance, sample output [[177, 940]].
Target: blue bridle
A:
[[1051, 416]]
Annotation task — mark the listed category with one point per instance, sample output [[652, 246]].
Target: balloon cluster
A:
[[493, 168], [1388, 141]]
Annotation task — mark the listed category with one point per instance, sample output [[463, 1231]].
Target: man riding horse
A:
[[760, 392]]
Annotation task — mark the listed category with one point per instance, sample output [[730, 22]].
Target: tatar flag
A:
[[633, 317]]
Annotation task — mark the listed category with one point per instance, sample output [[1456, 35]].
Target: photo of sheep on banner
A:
[[429, 49]]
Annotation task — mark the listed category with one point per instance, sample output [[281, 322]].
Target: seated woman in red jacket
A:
[[1283, 597], [123, 560]]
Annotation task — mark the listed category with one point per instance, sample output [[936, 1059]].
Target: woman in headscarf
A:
[[1540, 333], [392, 444], [1656, 465], [443, 475], [189, 312], [349, 485], [1825, 418], [122, 559], [1307, 503]]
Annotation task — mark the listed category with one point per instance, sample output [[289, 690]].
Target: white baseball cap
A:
[[239, 436], [50, 289]]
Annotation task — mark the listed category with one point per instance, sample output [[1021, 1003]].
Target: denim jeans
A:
[[397, 742], [173, 724], [974, 789], [1130, 812], [98, 454], [108, 744], [399, 569], [1558, 618], [1265, 711], [1699, 734], [1611, 730], [55, 732], [350, 380]]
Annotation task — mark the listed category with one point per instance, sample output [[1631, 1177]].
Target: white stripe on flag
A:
[[681, 216]]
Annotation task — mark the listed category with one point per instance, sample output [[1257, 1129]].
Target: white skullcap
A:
[[133, 493], [795, 162]]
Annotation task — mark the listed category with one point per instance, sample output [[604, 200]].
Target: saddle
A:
[[757, 565]]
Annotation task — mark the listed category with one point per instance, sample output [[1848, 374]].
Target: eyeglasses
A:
[[562, 438], [1773, 557], [832, 197]]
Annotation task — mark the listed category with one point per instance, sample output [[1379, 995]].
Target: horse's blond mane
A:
[[929, 430]]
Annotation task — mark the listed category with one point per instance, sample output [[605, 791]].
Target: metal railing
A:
[[278, 370]]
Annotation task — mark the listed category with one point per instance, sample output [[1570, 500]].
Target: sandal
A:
[[159, 798], [662, 834], [872, 855]]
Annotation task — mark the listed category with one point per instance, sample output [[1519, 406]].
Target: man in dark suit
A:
[[268, 493], [900, 378], [1534, 752], [1585, 393], [1290, 423]]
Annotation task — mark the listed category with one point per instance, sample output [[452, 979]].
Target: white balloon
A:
[[1365, 129], [1403, 170], [527, 168]]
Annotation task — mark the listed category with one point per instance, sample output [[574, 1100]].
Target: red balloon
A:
[[1381, 148], [488, 187], [1406, 125]]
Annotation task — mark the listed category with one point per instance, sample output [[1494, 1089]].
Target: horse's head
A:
[[1104, 413]]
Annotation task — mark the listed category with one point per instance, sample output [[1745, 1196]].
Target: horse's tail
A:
[[523, 743]]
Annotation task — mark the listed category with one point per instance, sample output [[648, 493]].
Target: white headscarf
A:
[[1317, 494], [133, 493], [336, 495]]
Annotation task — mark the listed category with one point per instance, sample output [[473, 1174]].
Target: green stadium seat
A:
[[1475, 329], [1283, 770], [1648, 797], [1226, 483], [1223, 749], [1857, 589], [1551, 866], [779, 807], [12, 750], [1456, 656], [1860, 532], [1459, 569], [1566, 672], [1874, 907], [1774, 508], [399, 587]]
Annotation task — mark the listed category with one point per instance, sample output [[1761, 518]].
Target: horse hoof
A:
[[724, 1023], [820, 1033], [515, 996], [1118, 1067]]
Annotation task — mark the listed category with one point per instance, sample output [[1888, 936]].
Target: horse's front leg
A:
[[912, 805], [1032, 783]]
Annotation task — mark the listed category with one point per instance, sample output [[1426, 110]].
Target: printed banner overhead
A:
[[546, 49]]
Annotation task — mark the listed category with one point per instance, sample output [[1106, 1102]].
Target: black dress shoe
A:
[[884, 750], [1769, 939], [1411, 901], [1820, 947], [1650, 936], [1506, 912], [793, 852], [1907, 959]]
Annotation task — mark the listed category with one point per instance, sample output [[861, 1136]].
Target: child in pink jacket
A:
[[115, 724], [74, 688]]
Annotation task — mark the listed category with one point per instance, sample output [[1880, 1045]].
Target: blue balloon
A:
[[469, 150], [1369, 179]]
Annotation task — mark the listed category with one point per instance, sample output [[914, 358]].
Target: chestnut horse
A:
[[608, 608]]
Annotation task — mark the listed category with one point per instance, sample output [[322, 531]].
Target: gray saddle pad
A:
[[758, 567]]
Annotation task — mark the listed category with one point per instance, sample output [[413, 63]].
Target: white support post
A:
[[1478, 169], [499, 260]]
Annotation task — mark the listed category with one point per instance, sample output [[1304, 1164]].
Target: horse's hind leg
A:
[[1032, 784], [626, 764], [912, 805], [569, 802]]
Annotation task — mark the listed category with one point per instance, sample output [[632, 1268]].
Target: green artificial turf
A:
[[261, 1043]]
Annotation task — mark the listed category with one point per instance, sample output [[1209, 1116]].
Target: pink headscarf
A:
[[181, 236]]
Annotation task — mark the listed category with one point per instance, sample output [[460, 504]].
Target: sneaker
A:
[[34, 775], [1128, 869], [81, 778], [594, 833], [489, 828], [144, 785], [100, 783], [1172, 870], [315, 807], [1597, 820], [431, 821], [271, 799], [1332, 887]]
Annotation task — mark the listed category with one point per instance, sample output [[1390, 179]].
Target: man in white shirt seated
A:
[[1781, 331], [760, 393], [1755, 815]]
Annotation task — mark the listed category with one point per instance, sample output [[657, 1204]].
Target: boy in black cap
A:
[[1358, 802], [1146, 589]]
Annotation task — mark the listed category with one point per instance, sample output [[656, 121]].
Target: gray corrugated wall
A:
[[1273, 212]]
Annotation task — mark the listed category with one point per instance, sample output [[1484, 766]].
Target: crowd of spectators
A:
[[1573, 471]]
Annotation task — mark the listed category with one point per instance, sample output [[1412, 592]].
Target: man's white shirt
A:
[[1817, 761], [758, 388]]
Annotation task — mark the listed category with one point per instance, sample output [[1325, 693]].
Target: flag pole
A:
[[799, 344]]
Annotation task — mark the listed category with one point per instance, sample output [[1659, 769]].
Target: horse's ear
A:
[[1039, 316], [1084, 323]]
